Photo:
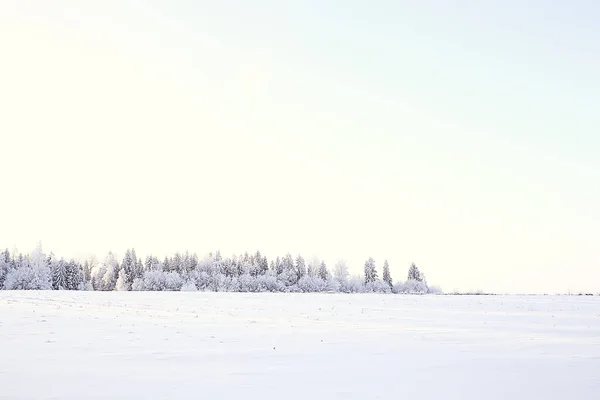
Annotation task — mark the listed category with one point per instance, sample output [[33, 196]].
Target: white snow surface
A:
[[196, 345]]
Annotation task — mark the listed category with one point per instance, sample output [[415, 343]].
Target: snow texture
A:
[[176, 345]]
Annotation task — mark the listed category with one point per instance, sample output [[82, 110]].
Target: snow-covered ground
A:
[[173, 345]]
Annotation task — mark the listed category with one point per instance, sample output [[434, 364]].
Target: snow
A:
[[191, 345]]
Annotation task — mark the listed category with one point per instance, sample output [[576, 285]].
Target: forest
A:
[[187, 272]]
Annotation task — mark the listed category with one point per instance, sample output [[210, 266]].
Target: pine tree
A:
[[149, 263], [340, 271], [5, 266], [111, 272], [387, 277], [167, 265], [128, 266], [122, 284], [59, 275], [263, 266], [177, 263], [279, 267], [414, 273], [87, 271], [74, 275], [300, 267], [370, 271], [323, 272]]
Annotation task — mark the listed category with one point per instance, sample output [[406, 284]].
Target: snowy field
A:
[[173, 345]]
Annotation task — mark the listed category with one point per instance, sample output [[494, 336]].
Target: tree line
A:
[[187, 272]]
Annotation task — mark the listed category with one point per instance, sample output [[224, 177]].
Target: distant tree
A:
[[387, 277], [41, 268], [59, 275], [128, 266], [414, 274], [263, 265], [340, 271], [87, 270], [370, 271], [177, 263], [288, 273], [122, 285], [74, 275], [312, 269], [300, 267], [29, 273], [4, 266], [167, 265], [111, 272], [323, 272], [279, 266]]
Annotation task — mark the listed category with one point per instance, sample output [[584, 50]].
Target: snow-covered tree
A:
[[31, 273], [340, 271], [412, 286], [323, 272], [5, 266], [59, 275], [111, 272], [74, 275], [41, 268], [370, 271], [189, 286], [414, 274], [310, 284], [300, 267], [312, 269], [122, 285], [288, 275], [129, 267], [387, 276]]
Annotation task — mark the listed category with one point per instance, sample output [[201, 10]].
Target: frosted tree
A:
[[323, 272], [313, 267], [387, 277], [138, 270], [122, 285], [263, 265], [41, 269], [59, 275], [128, 266], [288, 275], [167, 264], [5, 266], [74, 275], [370, 271], [278, 266], [300, 267], [111, 272], [414, 274], [340, 271], [31, 273], [87, 267]]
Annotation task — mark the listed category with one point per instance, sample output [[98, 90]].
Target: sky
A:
[[461, 137]]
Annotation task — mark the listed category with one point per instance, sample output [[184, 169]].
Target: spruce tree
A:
[[128, 266], [300, 267], [370, 271], [387, 277], [414, 273], [323, 272], [59, 275], [74, 275]]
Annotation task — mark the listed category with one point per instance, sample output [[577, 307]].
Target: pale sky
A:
[[464, 138]]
